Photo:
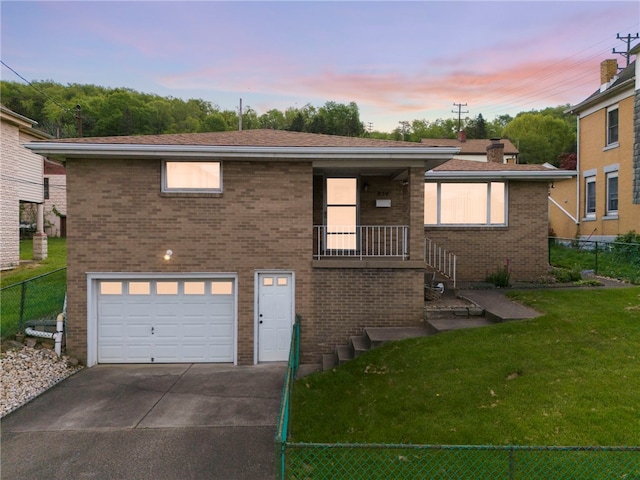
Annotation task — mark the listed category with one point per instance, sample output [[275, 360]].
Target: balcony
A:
[[361, 242]]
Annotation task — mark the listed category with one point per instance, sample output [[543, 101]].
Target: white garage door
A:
[[165, 321]]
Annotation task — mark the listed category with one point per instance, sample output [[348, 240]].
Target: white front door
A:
[[275, 316]]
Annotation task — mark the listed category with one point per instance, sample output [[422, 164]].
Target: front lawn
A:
[[569, 377]]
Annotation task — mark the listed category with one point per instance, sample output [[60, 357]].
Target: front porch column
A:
[[40, 246], [416, 213]]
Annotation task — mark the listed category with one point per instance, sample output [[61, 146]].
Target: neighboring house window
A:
[[342, 213], [481, 203], [612, 125], [590, 196], [46, 188], [191, 177], [611, 175]]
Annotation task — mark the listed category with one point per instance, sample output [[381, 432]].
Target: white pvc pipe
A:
[[57, 336]]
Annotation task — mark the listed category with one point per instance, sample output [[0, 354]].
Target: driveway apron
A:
[[171, 421]]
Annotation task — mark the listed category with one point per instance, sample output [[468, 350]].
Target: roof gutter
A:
[[112, 150], [500, 175]]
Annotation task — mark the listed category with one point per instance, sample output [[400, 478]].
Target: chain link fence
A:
[[33, 301], [380, 461], [613, 259], [316, 461]]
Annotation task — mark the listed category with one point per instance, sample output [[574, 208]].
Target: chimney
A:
[[608, 70], [495, 151], [462, 136]]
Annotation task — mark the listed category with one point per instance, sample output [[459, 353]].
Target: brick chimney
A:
[[608, 70], [495, 151], [462, 136]]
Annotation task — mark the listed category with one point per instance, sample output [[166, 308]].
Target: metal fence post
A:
[[22, 295], [596, 269]]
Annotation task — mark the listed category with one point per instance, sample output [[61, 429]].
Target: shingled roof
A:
[[244, 138], [470, 146]]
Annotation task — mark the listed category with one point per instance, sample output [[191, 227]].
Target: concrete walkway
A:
[[497, 306], [156, 422]]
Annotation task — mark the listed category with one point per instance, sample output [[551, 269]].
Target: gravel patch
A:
[[27, 372]]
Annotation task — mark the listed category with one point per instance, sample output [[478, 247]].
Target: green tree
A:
[[476, 127], [540, 138]]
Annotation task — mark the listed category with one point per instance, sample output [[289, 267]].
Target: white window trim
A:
[[610, 171], [439, 223], [609, 144], [587, 180], [165, 189]]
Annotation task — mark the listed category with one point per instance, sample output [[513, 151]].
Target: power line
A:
[[36, 88], [460, 112]]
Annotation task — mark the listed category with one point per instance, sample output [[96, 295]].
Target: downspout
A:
[[578, 171]]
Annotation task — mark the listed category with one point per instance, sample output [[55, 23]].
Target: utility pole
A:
[[240, 117], [79, 120], [460, 112], [628, 39], [369, 126], [404, 124]]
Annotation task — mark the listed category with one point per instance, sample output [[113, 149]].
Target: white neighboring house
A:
[[21, 181], [55, 199]]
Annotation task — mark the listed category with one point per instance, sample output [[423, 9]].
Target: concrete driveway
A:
[[174, 421]]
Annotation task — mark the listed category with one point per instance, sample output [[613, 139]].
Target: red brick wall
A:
[[118, 221], [482, 250]]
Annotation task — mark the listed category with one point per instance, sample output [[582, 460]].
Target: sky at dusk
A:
[[399, 61]]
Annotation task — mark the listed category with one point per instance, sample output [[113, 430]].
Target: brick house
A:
[[20, 183], [604, 200], [204, 247]]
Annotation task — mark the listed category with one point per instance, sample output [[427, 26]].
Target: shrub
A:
[[627, 247], [566, 275], [501, 277]]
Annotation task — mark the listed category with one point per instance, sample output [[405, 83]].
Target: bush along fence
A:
[[36, 301], [618, 259], [324, 461]]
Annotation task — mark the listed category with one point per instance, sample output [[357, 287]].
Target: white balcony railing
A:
[[361, 241], [440, 259]]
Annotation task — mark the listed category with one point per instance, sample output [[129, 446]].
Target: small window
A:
[[224, 287], [267, 281], [283, 281], [46, 188], [612, 125], [111, 288], [139, 288], [194, 288], [191, 177], [590, 196], [612, 193], [167, 288]]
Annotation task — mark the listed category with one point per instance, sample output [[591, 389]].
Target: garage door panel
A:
[[186, 323]]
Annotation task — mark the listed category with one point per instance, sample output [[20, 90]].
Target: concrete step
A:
[[380, 335], [359, 344], [344, 353], [438, 325], [453, 312], [329, 360]]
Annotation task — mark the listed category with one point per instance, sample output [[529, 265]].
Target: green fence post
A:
[[512, 464], [596, 269]]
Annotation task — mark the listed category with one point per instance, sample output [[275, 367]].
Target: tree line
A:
[[547, 135]]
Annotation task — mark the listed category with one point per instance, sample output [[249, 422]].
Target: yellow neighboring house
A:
[[604, 200]]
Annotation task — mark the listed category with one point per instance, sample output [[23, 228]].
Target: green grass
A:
[[43, 297], [569, 377], [609, 263], [57, 258]]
